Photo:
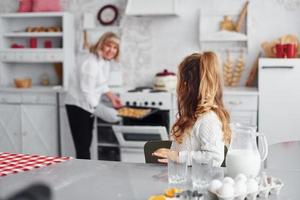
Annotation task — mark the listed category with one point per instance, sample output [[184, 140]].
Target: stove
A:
[[147, 97], [134, 133]]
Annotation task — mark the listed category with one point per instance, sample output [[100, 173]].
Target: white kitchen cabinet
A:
[[39, 129], [28, 123], [10, 128], [242, 104], [279, 108], [67, 144], [36, 63]]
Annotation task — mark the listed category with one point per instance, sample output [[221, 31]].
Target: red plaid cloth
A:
[[14, 163]]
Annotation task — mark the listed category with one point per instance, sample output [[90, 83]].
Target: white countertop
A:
[[33, 89], [227, 90], [86, 179]]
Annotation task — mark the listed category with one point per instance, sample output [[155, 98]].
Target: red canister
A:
[[48, 44], [33, 42], [290, 50]]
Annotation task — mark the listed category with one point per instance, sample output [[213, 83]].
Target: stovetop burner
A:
[[146, 90]]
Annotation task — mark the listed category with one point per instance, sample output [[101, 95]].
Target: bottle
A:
[[45, 80]]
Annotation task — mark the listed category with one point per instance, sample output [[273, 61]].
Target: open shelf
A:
[[33, 34], [32, 55], [32, 14], [211, 37], [219, 36]]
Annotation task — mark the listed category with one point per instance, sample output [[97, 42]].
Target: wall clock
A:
[[107, 14]]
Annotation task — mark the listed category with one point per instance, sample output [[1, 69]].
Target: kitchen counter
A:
[[87, 179], [33, 89], [240, 91]]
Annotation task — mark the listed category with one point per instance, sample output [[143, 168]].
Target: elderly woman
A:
[[86, 89]]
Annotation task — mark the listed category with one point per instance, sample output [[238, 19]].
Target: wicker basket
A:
[[23, 82]]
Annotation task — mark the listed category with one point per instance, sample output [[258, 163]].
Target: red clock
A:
[[107, 14]]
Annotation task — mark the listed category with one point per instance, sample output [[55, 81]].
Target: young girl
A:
[[203, 122], [86, 88]]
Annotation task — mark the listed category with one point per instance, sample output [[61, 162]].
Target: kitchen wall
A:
[[151, 44]]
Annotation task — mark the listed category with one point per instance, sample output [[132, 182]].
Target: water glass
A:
[[201, 170], [177, 167]]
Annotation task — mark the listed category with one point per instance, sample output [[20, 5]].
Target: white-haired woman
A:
[[86, 89]]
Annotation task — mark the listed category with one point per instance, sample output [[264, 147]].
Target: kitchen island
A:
[[88, 179]]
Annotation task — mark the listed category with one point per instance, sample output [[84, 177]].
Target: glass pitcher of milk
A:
[[243, 155]]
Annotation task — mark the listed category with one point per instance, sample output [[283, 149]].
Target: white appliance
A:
[[133, 138], [279, 97], [149, 98], [152, 7], [133, 133]]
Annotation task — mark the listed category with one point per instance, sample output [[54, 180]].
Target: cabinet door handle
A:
[[235, 102], [278, 67]]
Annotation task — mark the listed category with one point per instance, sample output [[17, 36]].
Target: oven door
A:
[[137, 136]]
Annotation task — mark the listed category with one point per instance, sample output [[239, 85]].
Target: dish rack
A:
[[267, 186]]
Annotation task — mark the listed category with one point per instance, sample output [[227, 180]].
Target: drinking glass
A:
[[201, 170], [177, 167]]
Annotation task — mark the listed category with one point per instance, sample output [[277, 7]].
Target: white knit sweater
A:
[[206, 136]]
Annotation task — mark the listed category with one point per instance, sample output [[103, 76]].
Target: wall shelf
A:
[[52, 47], [32, 14], [212, 38], [32, 55], [33, 34], [224, 36]]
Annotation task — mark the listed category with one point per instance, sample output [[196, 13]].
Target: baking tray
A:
[[150, 112]]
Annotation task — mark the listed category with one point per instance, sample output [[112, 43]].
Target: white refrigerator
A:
[[279, 99]]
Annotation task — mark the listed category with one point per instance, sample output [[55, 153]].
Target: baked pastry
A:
[[30, 29], [133, 112]]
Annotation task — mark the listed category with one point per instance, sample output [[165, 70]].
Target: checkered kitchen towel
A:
[[14, 163]]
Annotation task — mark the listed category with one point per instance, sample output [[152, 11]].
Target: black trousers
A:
[[81, 124]]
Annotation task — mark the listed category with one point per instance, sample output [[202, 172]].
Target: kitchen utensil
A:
[[243, 155], [86, 44], [48, 44], [45, 80], [23, 82], [290, 50], [165, 80], [227, 24], [177, 167], [33, 42], [242, 17], [134, 112], [253, 73], [279, 50], [58, 67]]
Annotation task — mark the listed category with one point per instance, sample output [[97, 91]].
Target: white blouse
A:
[[88, 83], [206, 136]]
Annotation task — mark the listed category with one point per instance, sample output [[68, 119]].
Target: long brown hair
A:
[[105, 38], [199, 90]]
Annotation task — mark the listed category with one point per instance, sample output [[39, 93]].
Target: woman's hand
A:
[[115, 100], [164, 154]]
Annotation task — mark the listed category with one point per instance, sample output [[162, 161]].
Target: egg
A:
[[226, 190], [241, 177], [252, 185], [215, 185], [240, 187], [228, 180]]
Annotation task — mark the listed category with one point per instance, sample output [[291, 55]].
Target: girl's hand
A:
[[164, 154]]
